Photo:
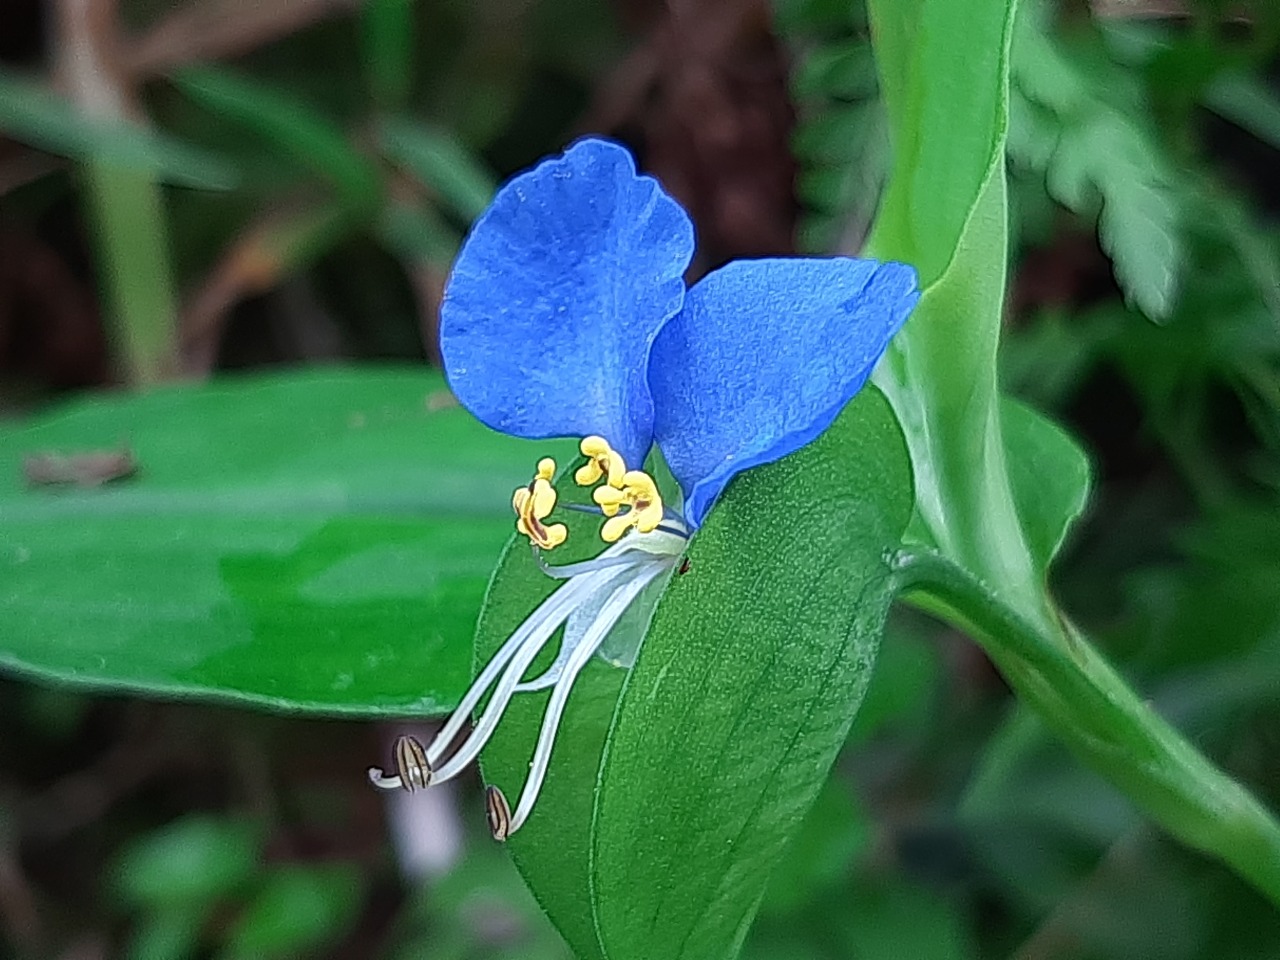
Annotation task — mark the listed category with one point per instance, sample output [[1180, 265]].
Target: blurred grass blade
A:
[[1246, 102], [441, 163], [35, 115], [289, 124], [132, 235], [313, 541], [417, 233], [388, 40], [281, 242]]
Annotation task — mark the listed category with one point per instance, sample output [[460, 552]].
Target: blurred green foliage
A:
[[339, 161]]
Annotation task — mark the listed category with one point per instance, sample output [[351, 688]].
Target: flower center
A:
[[591, 603], [604, 462], [639, 494], [533, 503], [621, 488]]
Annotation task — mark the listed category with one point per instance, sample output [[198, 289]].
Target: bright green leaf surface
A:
[[308, 541], [936, 60], [944, 69], [745, 688], [940, 376], [1050, 477]]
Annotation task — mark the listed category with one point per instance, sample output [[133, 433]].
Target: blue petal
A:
[[763, 357], [551, 310]]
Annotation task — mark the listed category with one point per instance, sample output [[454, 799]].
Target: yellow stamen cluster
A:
[[633, 489], [534, 503], [618, 488], [603, 461]]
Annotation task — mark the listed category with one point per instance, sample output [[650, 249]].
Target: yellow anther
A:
[[534, 503], [640, 493], [604, 462]]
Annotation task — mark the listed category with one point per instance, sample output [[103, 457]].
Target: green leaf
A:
[[839, 135], [441, 162], [1050, 476], [1246, 101], [940, 71], [846, 70], [291, 125], [387, 28], [746, 686], [944, 70], [744, 689], [940, 375], [1099, 152], [1139, 225], [191, 861], [33, 114], [298, 907], [316, 540]]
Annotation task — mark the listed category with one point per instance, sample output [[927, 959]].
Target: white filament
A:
[[613, 608]]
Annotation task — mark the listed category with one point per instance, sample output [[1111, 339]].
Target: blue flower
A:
[[567, 314]]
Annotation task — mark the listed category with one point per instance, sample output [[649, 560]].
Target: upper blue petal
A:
[[763, 357], [551, 310]]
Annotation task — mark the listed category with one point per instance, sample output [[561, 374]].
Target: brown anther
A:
[[498, 812], [412, 764]]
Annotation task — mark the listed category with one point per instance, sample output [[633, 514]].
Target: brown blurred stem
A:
[[216, 29], [126, 207]]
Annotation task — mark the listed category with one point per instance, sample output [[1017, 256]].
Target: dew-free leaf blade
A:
[[944, 69], [746, 685], [1050, 477], [441, 162], [315, 540], [33, 114], [291, 125]]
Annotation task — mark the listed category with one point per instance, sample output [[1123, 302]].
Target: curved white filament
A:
[[612, 609], [521, 649]]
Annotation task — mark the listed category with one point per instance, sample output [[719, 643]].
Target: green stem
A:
[[1107, 725], [126, 206], [133, 259]]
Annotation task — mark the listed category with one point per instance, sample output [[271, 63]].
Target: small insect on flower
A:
[[566, 314]]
